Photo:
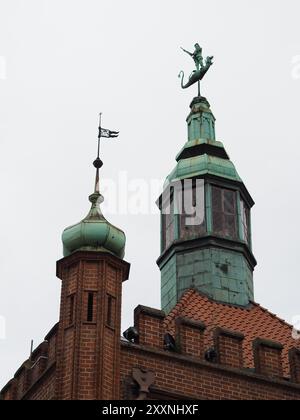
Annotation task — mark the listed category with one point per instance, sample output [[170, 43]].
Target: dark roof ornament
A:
[[201, 68]]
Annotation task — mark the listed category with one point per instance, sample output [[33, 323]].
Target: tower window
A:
[[245, 218], [90, 307], [192, 217], [224, 211], [168, 225], [110, 311]]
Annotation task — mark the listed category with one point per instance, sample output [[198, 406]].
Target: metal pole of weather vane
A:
[[103, 132], [98, 162]]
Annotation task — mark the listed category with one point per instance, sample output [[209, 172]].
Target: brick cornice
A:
[[228, 333], [191, 323], [156, 313], [267, 343], [92, 256]]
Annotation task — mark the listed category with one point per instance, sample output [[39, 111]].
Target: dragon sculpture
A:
[[201, 69]]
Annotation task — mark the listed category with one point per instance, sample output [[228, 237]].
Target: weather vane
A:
[[103, 132], [201, 68]]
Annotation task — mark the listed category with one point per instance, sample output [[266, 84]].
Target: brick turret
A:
[[88, 343]]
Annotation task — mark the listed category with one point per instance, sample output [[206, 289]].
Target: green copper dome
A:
[[94, 233]]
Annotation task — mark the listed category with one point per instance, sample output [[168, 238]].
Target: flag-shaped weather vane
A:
[[103, 132]]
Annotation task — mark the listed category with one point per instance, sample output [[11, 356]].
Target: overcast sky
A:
[[63, 61]]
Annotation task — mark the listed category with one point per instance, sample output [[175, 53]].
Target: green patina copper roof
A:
[[94, 233], [202, 165], [215, 262], [202, 154]]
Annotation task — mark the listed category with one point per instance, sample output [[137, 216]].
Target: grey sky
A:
[[62, 62]]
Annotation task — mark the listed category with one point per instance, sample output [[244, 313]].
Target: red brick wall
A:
[[44, 389], [86, 358], [189, 337], [229, 347], [11, 391], [230, 352], [184, 376], [175, 374], [88, 349], [294, 357], [268, 357], [149, 323]]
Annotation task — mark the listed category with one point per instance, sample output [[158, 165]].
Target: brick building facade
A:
[[209, 341], [243, 368]]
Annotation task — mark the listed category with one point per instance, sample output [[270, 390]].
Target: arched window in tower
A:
[[192, 215], [224, 212]]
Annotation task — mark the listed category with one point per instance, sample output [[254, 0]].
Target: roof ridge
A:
[[272, 314], [188, 294], [177, 309]]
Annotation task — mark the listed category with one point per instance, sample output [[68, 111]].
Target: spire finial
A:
[[94, 232], [98, 162]]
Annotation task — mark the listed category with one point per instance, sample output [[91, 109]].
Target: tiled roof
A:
[[253, 321]]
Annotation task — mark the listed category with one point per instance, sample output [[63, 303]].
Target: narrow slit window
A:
[[110, 311], [90, 307], [71, 309]]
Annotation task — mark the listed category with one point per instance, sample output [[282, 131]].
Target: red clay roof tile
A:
[[253, 321]]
